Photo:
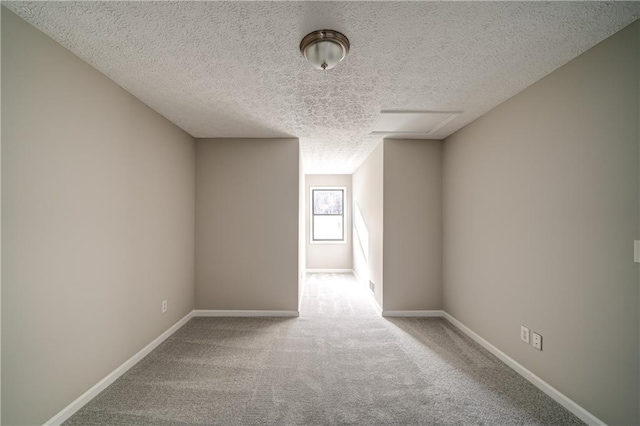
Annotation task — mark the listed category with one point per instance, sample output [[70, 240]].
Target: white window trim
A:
[[345, 211]]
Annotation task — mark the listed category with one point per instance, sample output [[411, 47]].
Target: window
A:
[[327, 215]]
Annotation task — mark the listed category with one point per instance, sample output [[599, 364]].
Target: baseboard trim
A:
[[421, 314], [83, 399], [545, 387], [329, 271], [558, 396], [373, 295], [240, 313], [375, 303]]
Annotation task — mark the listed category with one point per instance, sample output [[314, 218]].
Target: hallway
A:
[[336, 295]]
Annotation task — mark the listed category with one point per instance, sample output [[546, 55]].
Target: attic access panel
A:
[[411, 123]]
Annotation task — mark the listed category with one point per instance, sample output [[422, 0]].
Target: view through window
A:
[[327, 218]]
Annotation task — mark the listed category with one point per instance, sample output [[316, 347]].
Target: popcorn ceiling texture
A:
[[233, 69]]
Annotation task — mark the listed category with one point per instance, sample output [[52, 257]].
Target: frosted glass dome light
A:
[[324, 49]]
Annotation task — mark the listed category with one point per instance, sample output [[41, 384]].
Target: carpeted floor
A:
[[339, 363]]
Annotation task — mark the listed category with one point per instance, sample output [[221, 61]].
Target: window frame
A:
[[312, 215]]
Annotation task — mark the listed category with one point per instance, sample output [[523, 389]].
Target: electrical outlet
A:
[[165, 306], [537, 341], [524, 334]]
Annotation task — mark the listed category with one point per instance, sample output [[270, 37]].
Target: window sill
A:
[[328, 242]]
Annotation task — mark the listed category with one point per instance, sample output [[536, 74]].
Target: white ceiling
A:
[[233, 69]]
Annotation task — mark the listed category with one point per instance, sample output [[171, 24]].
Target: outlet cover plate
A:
[[537, 341]]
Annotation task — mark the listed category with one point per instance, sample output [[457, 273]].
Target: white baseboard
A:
[[373, 295], [375, 303], [558, 396], [239, 313], [329, 271], [422, 314], [83, 399], [545, 387]]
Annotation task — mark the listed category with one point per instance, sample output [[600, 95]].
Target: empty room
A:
[[320, 213]]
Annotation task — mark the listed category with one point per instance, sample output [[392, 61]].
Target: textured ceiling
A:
[[233, 69]]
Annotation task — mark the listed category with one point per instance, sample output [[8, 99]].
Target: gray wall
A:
[[329, 256], [540, 213], [412, 225], [302, 253], [367, 183], [97, 220], [247, 224], [1, 9]]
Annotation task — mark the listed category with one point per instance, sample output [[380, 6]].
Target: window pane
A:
[[327, 228], [327, 202]]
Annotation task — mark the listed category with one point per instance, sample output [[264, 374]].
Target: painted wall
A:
[[329, 256], [247, 224], [1, 8], [97, 221], [367, 183], [540, 213], [412, 225], [302, 246]]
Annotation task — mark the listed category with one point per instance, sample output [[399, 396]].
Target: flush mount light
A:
[[324, 49]]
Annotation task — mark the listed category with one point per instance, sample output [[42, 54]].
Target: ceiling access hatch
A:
[[412, 123]]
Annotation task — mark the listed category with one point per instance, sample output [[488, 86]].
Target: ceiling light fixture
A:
[[324, 49]]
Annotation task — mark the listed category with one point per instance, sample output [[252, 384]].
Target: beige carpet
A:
[[339, 363]]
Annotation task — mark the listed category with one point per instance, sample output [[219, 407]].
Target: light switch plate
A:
[[636, 251], [524, 334]]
